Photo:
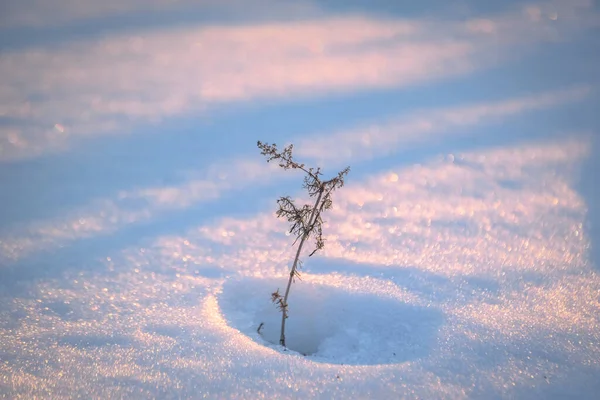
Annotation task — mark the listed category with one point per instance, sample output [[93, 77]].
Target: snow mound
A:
[[332, 323]]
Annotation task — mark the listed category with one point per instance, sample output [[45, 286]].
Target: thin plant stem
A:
[[307, 232], [296, 216]]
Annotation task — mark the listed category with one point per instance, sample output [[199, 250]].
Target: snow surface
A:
[[465, 277], [138, 242]]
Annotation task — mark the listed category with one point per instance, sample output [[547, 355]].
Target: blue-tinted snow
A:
[[138, 242]]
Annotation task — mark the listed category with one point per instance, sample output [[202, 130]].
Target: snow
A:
[[139, 245], [361, 322], [464, 277]]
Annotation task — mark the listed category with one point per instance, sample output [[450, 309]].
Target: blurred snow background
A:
[[138, 242]]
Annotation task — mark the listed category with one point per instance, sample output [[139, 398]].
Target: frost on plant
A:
[[305, 221]]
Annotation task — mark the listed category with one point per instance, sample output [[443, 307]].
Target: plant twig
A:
[[305, 221]]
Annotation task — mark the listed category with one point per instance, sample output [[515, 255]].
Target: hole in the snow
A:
[[332, 324]]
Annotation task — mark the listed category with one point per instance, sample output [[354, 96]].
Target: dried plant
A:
[[305, 221]]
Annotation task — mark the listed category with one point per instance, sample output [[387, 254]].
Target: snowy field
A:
[[139, 245]]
